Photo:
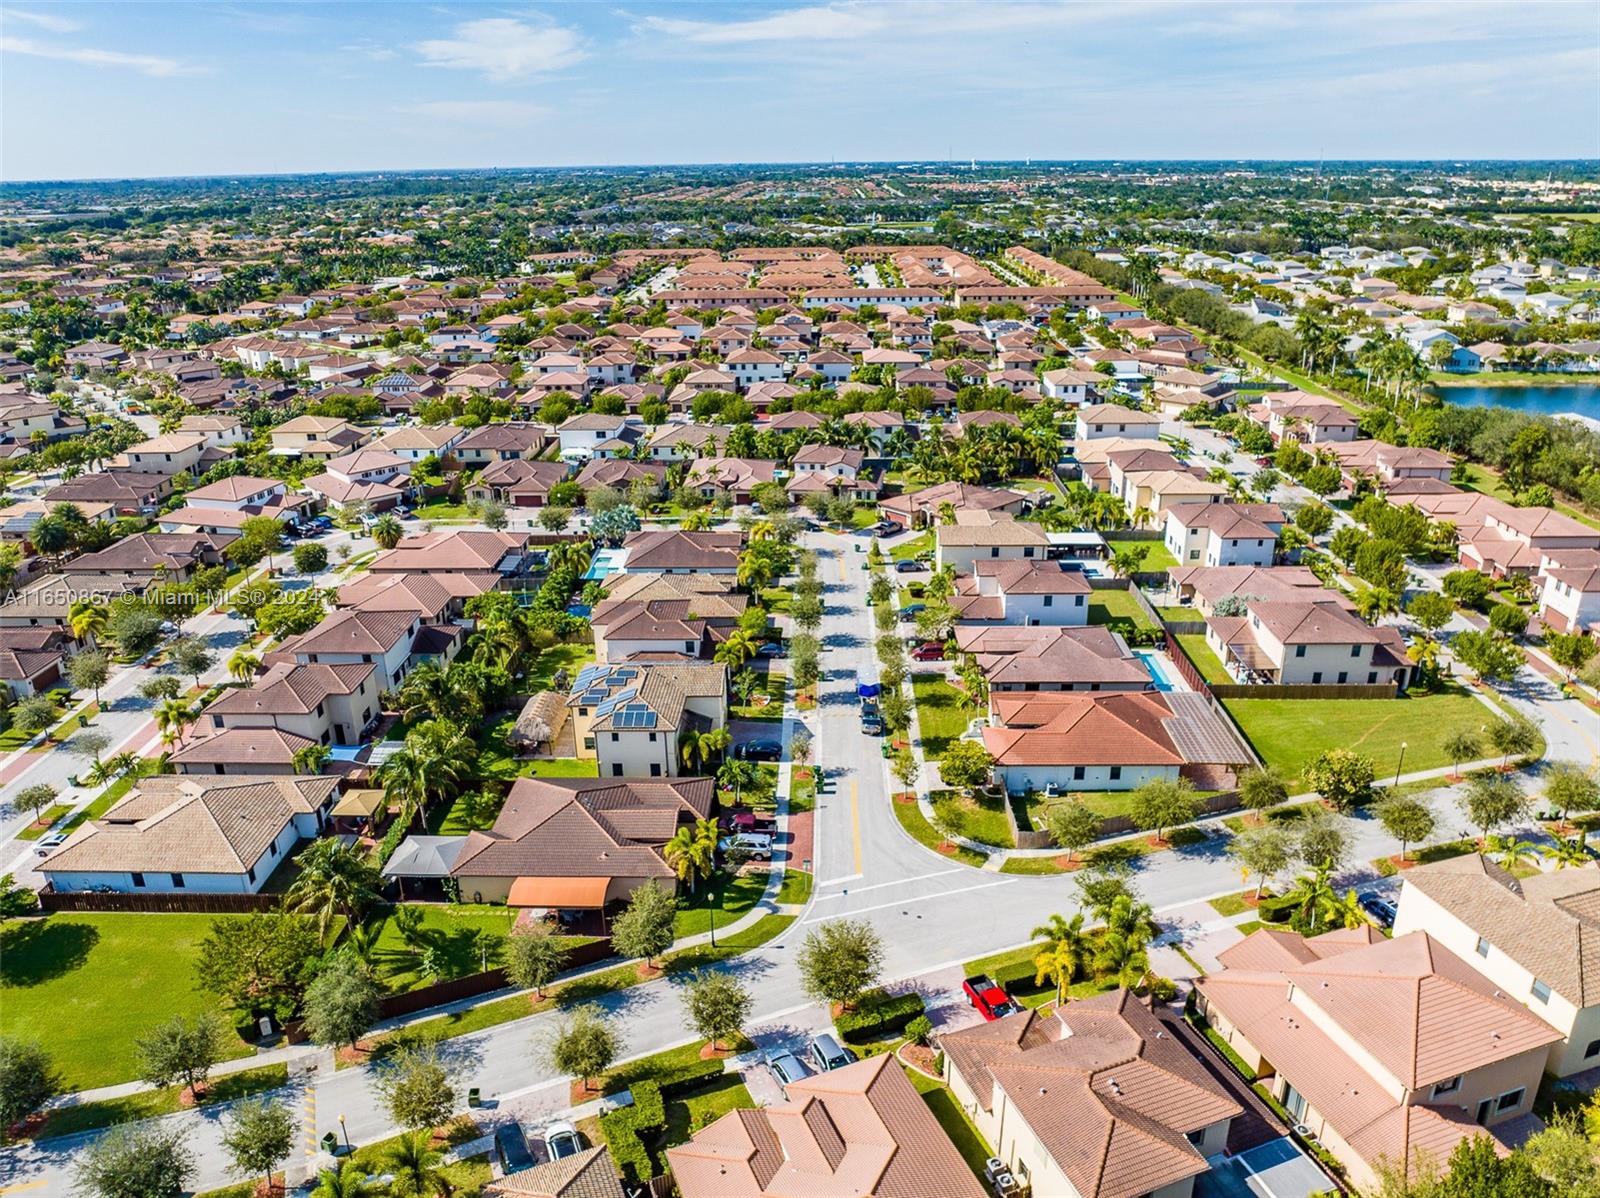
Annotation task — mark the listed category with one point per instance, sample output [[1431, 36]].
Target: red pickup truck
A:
[[989, 997]]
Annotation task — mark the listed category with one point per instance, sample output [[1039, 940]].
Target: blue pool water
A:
[[604, 563], [1157, 669]]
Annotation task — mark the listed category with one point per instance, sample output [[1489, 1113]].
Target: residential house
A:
[[518, 482], [1387, 464], [370, 478], [394, 641], [860, 1131], [1535, 939], [1052, 658], [681, 441], [1113, 420], [917, 508], [323, 704], [501, 442], [415, 442], [1302, 643], [1570, 598], [987, 535], [316, 437], [629, 716], [1386, 1051], [1100, 1099], [1224, 534], [1308, 419], [1021, 592], [673, 551], [175, 834], [594, 434], [734, 479], [1202, 587], [579, 844], [32, 660]]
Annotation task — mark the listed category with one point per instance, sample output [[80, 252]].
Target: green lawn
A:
[[1230, 904], [919, 544], [1289, 734], [47, 817], [447, 944], [773, 682], [1014, 969], [730, 897], [980, 818], [1485, 481], [466, 1178], [916, 824], [496, 760], [1109, 605], [941, 713], [571, 657], [1204, 658], [776, 599], [1180, 615], [1157, 555], [796, 887], [147, 1104], [86, 986], [688, 1113], [441, 509]]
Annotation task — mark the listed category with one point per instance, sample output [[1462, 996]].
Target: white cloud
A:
[[502, 48], [42, 20], [501, 113], [145, 64], [832, 22]]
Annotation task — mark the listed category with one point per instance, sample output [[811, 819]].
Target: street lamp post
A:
[[346, 1133], [1400, 763]]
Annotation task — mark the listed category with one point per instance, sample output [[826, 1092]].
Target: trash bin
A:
[[330, 1142], [474, 1097]]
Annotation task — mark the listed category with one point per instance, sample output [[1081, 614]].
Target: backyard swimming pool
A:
[[1165, 678]]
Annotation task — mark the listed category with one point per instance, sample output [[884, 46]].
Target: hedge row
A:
[[626, 1129], [878, 1014]]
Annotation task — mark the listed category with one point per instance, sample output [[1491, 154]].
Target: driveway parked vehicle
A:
[[756, 844], [828, 1054], [561, 1139], [989, 997], [1382, 910], [787, 1067], [909, 567], [759, 750], [928, 651]]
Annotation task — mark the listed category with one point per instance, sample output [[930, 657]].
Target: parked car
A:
[[911, 566], [561, 1139], [1382, 910], [513, 1146], [911, 610], [772, 649], [756, 844], [759, 750], [53, 841], [928, 651], [871, 720], [885, 528], [827, 1053], [989, 997], [787, 1067]]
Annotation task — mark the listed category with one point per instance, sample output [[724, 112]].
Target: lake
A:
[[1543, 399]]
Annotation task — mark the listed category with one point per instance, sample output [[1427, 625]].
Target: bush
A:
[[920, 1028], [1277, 908], [622, 1130], [1163, 989], [878, 1014]]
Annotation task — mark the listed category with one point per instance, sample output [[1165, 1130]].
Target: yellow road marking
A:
[[22, 1185], [855, 823]]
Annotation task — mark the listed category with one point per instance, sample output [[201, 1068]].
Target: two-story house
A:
[[1295, 642], [1021, 592], [1223, 534], [629, 717], [984, 535]]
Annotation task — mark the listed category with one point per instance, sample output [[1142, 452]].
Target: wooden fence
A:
[[203, 904]]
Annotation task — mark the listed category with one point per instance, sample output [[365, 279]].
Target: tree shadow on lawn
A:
[[40, 951]]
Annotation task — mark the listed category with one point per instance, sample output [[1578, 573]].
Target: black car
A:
[[759, 750], [909, 566], [1379, 908], [772, 649]]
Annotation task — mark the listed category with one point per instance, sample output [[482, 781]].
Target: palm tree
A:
[[1568, 852], [691, 853], [691, 749], [404, 778], [737, 774], [1316, 897], [347, 1181], [414, 1166], [1065, 953], [739, 648], [1512, 851], [173, 717], [387, 531], [310, 759], [242, 666], [334, 880], [715, 742], [86, 620]]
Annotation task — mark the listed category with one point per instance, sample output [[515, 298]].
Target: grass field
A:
[[447, 945], [921, 543], [1290, 734], [1157, 556], [37, 828], [1106, 606], [942, 1103], [147, 1104], [982, 818], [925, 834], [773, 681], [1180, 615], [796, 887], [731, 898], [86, 986], [1486, 482], [1014, 969], [704, 1105], [940, 712], [1204, 657], [571, 658]]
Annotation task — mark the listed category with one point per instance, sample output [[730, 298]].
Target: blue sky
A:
[[139, 89]]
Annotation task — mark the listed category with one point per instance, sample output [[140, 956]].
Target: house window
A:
[[1077, 773], [1510, 1100], [250, 873], [616, 769], [1116, 773], [1355, 650], [1299, 650], [1049, 600], [1541, 990], [1482, 947], [1343, 675], [1196, 1138], [1079, 601], [655, 769], [138, 882], [1372, 676], [177, 881], [1592, 1051], [588, 742], [615, 738], [1316, 676], [1449, 1086], [994, 551], [652, 738]]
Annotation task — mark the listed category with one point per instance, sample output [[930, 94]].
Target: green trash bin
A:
[[330, 1142], [474, 1097]]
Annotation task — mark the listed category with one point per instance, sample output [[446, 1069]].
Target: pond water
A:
[[1540, 399]]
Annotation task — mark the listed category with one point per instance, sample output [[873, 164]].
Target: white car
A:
[[53, 841], [757, 844], [562, 1140]]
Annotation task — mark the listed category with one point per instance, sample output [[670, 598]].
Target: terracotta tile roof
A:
[[857, 1132], [1014, 655], [1111, 1093], [589, 1174], [1072, 727], [243, 747], [1549, 924], [353, 631], [292, 689], [674, 549]]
